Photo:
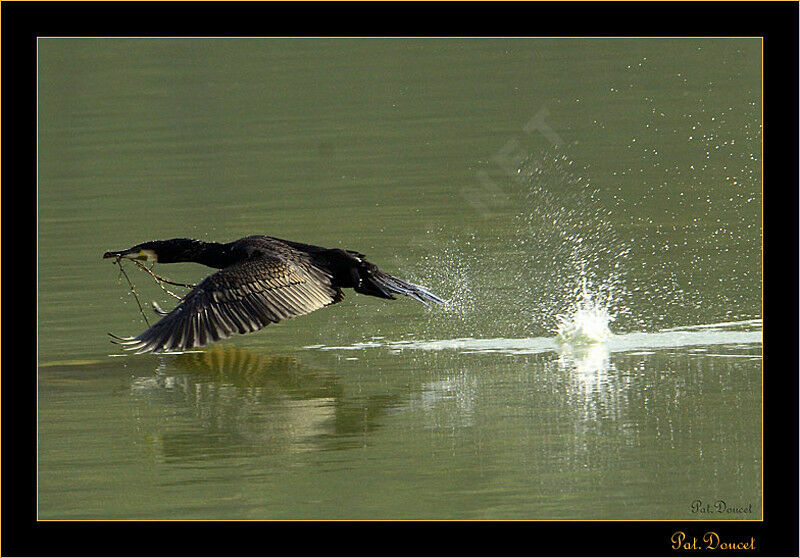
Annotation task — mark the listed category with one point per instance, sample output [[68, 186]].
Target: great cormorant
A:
[[262, 280]]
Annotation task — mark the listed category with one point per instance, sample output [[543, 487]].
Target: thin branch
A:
[[133, 289], [163, 279], [159, 280]]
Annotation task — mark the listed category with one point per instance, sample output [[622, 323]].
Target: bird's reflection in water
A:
[[231, 402]]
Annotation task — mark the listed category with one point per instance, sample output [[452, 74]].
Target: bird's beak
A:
[[118, 254], [133, 254]]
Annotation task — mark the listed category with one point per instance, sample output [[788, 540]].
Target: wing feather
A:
[[242, 298]]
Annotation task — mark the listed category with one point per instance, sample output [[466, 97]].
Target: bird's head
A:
[[162, 251], [145, 252]]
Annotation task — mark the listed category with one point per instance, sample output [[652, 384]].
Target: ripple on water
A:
[[689, 339]]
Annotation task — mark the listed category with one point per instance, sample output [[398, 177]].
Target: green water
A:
[[508, 176]]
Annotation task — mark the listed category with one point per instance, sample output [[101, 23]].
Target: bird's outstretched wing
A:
[[241, 298]]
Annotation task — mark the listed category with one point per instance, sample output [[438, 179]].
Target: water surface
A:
[[511, 177]]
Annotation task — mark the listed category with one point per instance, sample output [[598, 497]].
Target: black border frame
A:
[[22, 22]]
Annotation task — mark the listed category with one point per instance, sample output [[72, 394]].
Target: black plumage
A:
[[262, 280]]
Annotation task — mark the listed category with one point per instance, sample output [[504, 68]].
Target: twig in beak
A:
[[118, 261]]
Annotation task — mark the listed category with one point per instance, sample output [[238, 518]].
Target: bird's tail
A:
[[375, 282]]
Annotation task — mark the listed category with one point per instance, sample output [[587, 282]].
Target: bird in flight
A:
[[261, 280]]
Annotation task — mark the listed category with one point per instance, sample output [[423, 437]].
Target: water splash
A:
[[554, 261], [516, 272], [588, 321], [451, 269], [574, 264]]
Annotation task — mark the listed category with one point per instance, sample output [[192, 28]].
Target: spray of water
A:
[[552, 265], [586, 323]]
